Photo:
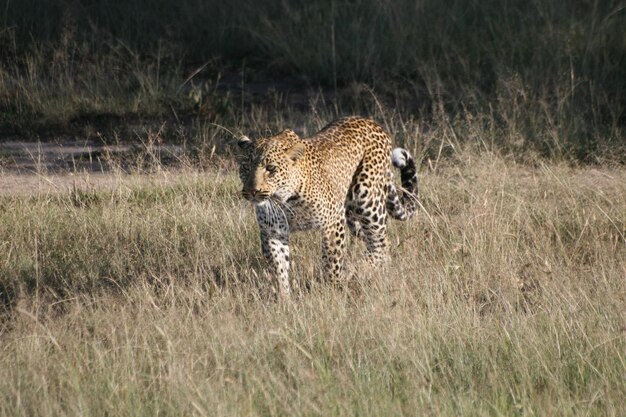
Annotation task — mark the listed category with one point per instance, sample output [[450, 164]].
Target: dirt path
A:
[[19, 157], [32, 184], [34, 167]]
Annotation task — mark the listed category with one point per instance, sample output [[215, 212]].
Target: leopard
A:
[[341, 176]]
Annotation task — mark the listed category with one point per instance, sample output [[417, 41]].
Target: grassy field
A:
[[550, 75], [506, 296], [131, 278]]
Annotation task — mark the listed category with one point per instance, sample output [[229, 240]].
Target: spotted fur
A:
[[339, 176]]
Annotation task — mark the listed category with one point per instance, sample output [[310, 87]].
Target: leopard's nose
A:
[[250, 193]]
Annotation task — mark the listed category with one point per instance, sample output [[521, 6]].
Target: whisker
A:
[[280, 207], [273, 212]]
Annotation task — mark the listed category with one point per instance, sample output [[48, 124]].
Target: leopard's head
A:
[[269, 167]]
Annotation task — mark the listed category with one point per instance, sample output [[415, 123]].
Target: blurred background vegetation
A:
[[546, 76]]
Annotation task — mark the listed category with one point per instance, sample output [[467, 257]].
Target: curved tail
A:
[[402, 206]]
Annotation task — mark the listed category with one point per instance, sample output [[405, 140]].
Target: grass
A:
[[505, 297], [550, 75], [139, 290]]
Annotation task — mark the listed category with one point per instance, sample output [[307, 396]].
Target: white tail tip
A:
[[399, 157]]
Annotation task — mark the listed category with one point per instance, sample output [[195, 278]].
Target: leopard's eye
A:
[[271, 168]]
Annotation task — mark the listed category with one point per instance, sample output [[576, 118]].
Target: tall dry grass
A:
[[505, 297], [549, 74]]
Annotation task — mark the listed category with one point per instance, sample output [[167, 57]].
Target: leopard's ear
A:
[[296, 151], [290, 134], [244, 142]]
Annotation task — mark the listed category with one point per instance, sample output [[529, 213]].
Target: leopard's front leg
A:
[[275, 246]]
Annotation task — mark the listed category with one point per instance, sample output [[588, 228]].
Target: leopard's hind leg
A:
[[366, 214]]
